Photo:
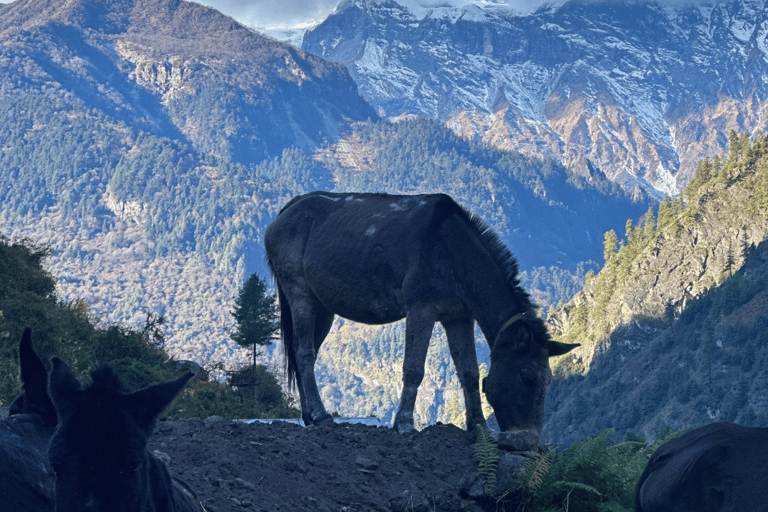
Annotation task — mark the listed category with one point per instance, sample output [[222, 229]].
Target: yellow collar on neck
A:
[[506, 325]]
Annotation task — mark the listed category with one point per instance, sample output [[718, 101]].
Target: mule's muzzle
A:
[[520, 440]]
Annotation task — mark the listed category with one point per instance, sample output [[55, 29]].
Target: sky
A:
[[273, 13]]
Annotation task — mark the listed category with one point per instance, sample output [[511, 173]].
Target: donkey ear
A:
[[147, 404], [521, 338], [63, 386], [35, 380], [557, 348]]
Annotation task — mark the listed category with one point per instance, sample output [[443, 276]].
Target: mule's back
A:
[[357, 252], [719, 467]]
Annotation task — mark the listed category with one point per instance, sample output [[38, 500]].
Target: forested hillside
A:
[[673, 326], [151, 254], [65, 329]]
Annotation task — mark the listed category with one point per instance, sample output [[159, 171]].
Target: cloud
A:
[[273, 13]]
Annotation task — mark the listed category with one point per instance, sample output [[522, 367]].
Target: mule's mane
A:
[[509, 268], [104, 378]]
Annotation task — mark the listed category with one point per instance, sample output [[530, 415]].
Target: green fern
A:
[[594, 475], [569, 487], [536, 469], [487, 455]]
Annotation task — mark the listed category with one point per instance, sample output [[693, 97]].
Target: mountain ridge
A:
[[640, 91], [158, 59]]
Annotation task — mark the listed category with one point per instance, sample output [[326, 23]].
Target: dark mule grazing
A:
[[99, 450], [376, 258], [26, 481], [720, 467]]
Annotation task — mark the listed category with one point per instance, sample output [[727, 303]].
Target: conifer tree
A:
[[734, 146], [610, 245], [256, 316], [650, 224]]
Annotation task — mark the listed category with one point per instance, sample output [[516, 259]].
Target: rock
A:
[[366, 463], [410, 501], [510, 466], [210, 420], [163, 457], [244, 484], [472, 487]]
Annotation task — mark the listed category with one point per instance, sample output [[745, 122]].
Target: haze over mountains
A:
[[149, 142]]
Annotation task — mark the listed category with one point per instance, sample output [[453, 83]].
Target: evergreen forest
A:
[[673, 326]]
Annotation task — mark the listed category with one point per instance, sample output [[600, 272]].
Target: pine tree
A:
[[610, 244], [730, 262], [734, 146], [256, 316], [744, 244], [650, 224]]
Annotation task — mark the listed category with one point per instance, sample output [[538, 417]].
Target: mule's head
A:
[[517, 380], [98, 451]]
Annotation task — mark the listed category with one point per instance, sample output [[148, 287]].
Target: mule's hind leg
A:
[[461, 341], [418, 330], [310, 325]]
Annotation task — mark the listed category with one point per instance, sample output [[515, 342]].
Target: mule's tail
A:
[[286, 332]]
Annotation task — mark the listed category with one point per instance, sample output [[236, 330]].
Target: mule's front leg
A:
[[418, 330], [461, 341]]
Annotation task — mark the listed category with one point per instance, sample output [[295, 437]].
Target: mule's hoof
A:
[[405, 428], [324, 420]]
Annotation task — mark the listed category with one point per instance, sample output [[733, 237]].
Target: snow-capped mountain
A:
[[640, 91]]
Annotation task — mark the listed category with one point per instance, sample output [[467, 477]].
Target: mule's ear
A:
[[63, 386], [557, 348], [147, 404], [34, 378]]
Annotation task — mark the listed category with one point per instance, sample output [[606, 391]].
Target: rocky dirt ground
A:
[[283, 467], [235, 467]]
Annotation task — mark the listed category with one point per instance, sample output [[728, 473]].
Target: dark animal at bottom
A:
[[720, 467], [99, 449], [377, 258], [27, 480]]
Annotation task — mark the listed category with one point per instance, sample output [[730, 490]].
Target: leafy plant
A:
[[536, 469], [487, 455], [594, 475]]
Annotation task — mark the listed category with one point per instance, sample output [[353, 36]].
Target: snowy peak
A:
[[639, 90]]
